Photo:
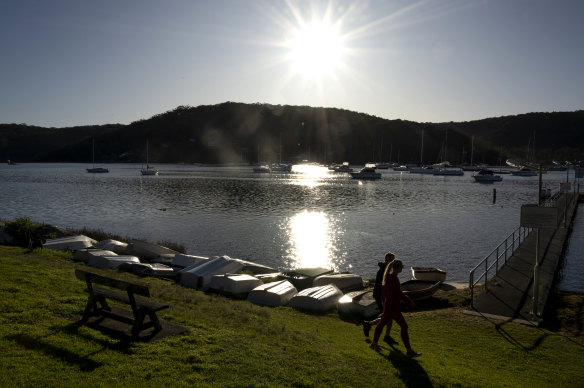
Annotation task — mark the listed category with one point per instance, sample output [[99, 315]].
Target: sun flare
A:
[[316, 50]]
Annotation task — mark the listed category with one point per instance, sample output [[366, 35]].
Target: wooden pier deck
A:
[[509, 294]]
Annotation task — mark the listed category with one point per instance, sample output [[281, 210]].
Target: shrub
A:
[[21, 230]]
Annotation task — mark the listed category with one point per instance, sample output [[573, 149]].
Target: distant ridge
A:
[[247, 133]]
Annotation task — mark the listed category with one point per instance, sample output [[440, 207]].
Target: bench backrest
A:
[[114, 283]]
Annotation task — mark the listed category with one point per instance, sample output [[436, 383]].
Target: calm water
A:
[[310, 217], [572, 272]]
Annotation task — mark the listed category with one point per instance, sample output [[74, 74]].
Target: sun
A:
[[316, 50]]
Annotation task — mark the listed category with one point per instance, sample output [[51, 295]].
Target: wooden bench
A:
[[97, 303]]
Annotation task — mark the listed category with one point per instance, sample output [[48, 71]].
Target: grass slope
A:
[[235, 343]]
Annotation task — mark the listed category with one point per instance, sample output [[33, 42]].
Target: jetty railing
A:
[[491, 264]]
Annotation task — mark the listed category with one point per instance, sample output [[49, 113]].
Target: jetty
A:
[[516, 285]]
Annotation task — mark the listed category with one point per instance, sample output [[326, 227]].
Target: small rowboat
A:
[[427, 273], [420, 289]]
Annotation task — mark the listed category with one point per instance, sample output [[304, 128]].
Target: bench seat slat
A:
[[111, 294]]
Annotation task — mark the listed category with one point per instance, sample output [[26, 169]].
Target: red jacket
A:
[[391, 294]]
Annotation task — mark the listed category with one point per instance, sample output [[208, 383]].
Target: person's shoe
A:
[[413, 354], [366, 328], [375, 346], [390, 341]]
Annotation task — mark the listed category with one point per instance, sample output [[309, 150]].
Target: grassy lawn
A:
[[235, 343]]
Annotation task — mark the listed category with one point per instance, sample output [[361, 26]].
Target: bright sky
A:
[[78, 62]]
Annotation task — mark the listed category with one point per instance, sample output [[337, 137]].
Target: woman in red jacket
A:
[[391, 295]]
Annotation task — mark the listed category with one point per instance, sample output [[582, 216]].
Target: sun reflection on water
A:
[[312, 240], [310, 175]]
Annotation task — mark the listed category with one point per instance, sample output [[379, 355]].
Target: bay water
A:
[[307, 218]]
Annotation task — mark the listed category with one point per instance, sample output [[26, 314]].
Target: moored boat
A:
[[486, 176], [428, 273], [366, 173], [420, 289], [524, 171]]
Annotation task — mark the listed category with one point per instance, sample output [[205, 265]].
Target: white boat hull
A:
[[317, 299], [345, 281], [358, 303], [428, 274], [72, 243], [199, 276], [238, 285], [272, 294]]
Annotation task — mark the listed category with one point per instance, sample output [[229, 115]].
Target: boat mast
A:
[[422, 150], [471, 150]]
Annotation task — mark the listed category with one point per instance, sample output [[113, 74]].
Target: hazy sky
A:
[[78, 62]]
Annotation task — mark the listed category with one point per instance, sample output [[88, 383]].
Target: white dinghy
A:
[[199, 276], [358, 303], [85, 255], [118, 247], [345, 281], [272, 294], [317, 299], [149, 251], [149, 269], [111, 262], [71, 243], [237, 285], [181, 260]]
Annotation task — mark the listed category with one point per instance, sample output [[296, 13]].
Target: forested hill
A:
[[248, 133]]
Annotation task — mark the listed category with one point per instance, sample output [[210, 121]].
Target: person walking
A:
[[391, 295], [389, 257]]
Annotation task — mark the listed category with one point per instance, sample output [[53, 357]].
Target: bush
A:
[[22, 230]]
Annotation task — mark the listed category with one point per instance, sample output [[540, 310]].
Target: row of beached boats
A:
[[307, 289]]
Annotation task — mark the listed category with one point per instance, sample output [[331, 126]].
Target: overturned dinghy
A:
[[85, 255], [345, 281], [182, 260], [111, 262], [272, 294], [112, 245], [71, 243], [317, 299], [199, 276], [303, 277], [256, 268], [237, 285], [358, 303], [149, 251], [156, 270]]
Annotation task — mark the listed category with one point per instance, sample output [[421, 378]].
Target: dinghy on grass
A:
[[85, 255], [181, 260], [148, 269], [149, 251], [237, 285], [112, 245], [199, 276], [358, 303], [272, 294], [111, 262], [345, 281], [317, 299], [302, 278], [71, 243]]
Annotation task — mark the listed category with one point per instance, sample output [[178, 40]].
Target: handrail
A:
[[504, 250]]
